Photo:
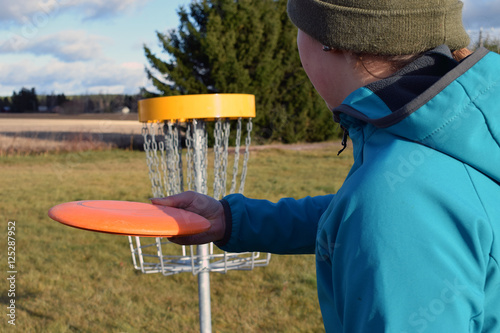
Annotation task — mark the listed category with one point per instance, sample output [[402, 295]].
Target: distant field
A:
[[23, 133], [71, 280], [41, 133], [95, 116]]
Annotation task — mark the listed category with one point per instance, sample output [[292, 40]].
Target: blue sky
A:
[[95, 46]]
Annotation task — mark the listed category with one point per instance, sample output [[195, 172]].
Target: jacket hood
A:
[[449, 106]]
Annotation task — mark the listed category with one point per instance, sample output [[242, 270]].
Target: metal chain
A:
[[173, 161], [236, 156], [149, 160], [157, 142], [169, 148], [165, 171], [200, 155], [178, 153], [248, 140], [189, 157], [157, 161], [205, 159], [154, 162], [217, 158], [163, 161], [225, 154]]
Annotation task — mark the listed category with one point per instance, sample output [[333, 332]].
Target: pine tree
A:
[[25, 101], [243, 46]]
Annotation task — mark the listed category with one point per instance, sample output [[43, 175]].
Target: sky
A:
[[96, 46]]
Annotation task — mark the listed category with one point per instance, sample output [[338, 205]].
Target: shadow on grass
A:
[[5, 300]]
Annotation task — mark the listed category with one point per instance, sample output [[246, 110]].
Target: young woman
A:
[[410, 243]]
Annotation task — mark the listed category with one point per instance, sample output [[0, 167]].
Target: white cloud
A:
[[76, 46], [36, 11], [72, 78], [103, 8], [481, 13], [17, 10], [69, 46]]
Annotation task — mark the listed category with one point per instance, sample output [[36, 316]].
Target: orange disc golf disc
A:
[[129, 218]]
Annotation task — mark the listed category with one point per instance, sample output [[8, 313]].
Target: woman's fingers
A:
[[200, 204]]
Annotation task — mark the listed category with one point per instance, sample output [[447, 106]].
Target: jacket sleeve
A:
[[286, 227]]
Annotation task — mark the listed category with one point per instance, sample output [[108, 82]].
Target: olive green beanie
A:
[[385, 27]]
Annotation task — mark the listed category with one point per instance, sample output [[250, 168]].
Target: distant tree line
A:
[[27, 100]]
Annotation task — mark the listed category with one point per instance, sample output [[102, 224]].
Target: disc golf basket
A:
[[176, 145]]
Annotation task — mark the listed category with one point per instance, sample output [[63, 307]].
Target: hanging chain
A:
[[248, 140], [178, 153], [164, 156], [163, 161], [169, 148], [189, 157], [204, 158], [225, 154], [217, 158], [200, 147], [174, 162], [236, 156], [149, 160], [157, 140], [152, 160]]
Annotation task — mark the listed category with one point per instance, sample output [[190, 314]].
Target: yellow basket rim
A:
[[201, 106]]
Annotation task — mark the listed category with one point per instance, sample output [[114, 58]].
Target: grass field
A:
[[69, 280]]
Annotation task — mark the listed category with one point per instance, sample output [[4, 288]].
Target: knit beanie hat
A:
[[384, 27]]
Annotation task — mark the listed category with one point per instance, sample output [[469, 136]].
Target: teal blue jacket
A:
[[411, 242]]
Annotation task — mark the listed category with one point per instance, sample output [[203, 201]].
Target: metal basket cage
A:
[[177, 156], [151, 258]]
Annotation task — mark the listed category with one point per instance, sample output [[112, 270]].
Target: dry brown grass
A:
[[22, 144], [28, 134]]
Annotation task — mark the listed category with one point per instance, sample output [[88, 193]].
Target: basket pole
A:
[[204, 290], [202, 250]]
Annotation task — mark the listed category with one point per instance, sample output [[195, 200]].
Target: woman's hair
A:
[[394, 63], [461, 54]]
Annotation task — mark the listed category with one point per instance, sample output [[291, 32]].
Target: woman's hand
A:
[[200, 204]]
